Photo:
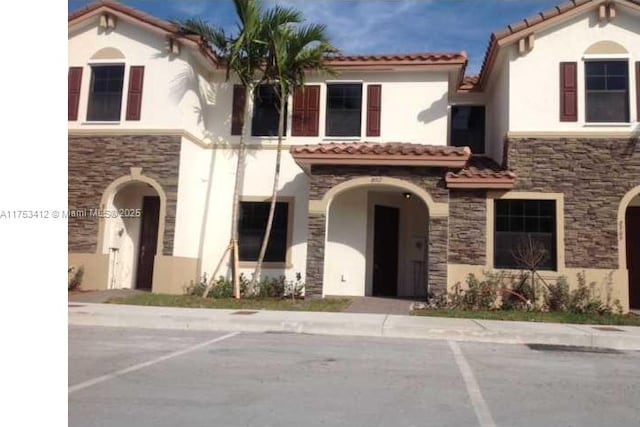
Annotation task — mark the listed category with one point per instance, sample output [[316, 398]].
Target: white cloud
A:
[[191, 8], [359, 26]]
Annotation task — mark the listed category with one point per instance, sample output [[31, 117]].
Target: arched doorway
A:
[[376, 239], [632, 237], [132, 236]]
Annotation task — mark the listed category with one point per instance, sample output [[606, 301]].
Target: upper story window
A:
[[467, 127], [105, 93], [344, 109], [266, 105], [607, 91]]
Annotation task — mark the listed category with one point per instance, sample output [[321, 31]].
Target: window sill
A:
[[89, 123], [268, 138], [342, 138], [266, 265], [610, 124], [544, 273]]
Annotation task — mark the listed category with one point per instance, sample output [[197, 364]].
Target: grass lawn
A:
[[529, 316], [325, 304]]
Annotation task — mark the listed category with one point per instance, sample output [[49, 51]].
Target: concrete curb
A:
[[352, 324]]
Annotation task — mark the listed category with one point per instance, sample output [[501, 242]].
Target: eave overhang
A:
[[380, 154]]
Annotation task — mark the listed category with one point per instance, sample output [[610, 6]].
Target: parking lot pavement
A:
[[126, 376]]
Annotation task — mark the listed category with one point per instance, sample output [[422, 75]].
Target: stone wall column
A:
[[437, 255], [315, 255]]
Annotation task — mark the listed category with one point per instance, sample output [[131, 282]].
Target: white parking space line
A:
[[477, 401], [120, 372]]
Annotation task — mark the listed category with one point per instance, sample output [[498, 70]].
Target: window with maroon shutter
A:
[[344, 109], [568, 92], [75, 81], [306, 107], [105, 93], [373, 110], [607, 91], [237, 118], [134, 98]]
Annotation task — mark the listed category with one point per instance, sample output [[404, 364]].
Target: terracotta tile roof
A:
[[481, 172], [469, 83], [425, 58], [391, 153], [145, 18], [530, 23]]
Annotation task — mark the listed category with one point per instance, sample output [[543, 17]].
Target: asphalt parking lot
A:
[[144, 377]]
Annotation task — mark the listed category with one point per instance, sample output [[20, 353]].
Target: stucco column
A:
[[315, 255], [437, 255]]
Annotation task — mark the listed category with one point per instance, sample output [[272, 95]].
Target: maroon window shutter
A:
[[313, 109], [75, 81], [373, 110], [237, 113], [638, 90], [298, 115], [306, 108], [134, 97], [568, 92]]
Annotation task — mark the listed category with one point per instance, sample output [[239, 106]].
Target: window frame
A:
[[254, 109], [327, 85], [123, 98], [494, 195], [524, 216], [585, 91], [287, 263], [450, 126]]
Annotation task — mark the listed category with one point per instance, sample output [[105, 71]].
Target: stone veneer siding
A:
[[594, 175], [437, 256], [325, 177], [96, 161], [315, 254], [467, 227]]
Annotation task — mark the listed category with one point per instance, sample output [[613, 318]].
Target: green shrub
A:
[[268, 287], [197, 288], [515, 292], [586, 298], [557, 296], [271, 287], [479, 294], [518, 294], [222, 288]]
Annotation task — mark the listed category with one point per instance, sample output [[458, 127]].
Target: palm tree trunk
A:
[[274, 193], [236, 194]]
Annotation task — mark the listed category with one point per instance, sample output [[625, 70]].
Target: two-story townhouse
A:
[[402, 176], [561, 92]]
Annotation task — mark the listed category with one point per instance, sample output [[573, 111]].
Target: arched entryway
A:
[[132, 231], [629, 220], [416, 169], [376, 243], [377, 238]]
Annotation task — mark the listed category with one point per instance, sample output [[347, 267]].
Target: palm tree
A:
[[294, 50], [245, 55]]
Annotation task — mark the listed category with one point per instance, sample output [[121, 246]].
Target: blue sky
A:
[[377, 26]]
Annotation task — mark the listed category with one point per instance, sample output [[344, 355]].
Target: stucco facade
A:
[[181, 151]]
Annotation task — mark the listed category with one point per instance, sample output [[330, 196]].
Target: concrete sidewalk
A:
[[374, 325]]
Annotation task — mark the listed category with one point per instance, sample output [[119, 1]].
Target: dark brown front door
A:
[[148, 241], [633, 255], [385, 251]]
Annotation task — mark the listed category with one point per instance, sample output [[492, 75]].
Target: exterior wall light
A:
[[406, 195]]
